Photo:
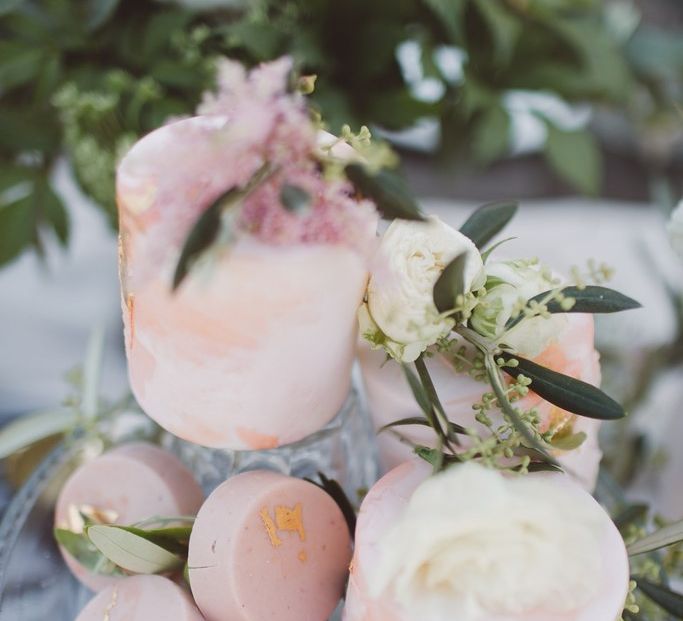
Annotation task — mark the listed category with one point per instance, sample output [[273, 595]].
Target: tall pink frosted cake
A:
[[254, 349]]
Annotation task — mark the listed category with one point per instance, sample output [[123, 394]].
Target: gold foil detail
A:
[[78, 514], [270, 527], [302, 556], [112, 604], [287, 519]]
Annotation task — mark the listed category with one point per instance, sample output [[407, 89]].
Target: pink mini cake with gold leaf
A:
[[141, 598], [268, 547], [473, 544], [128, 484]]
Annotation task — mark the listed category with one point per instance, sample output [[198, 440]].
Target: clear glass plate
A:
[[36, 585]]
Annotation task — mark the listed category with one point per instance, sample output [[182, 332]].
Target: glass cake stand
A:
[[35, 584]]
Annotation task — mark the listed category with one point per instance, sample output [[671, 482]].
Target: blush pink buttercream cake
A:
[[389, 497], [268, 547], [141, 598], [128, 484]]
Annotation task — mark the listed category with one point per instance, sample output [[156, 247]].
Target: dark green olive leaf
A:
[[666, 536], [450, 284], [419, 393], [405, 422], [570, 394], [294, 198], [487, 221], [387, 189], [338, 494], [203, 234], [82, 549], [432, 456], [496, 381], [569, 442], [451, 429], [590, 299], [131, 551], [175, 539], [542, 466], [664, 597]]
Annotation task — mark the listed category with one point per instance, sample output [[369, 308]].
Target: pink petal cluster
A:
[[270, 124]]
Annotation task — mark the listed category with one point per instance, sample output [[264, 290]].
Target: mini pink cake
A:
[[141, 598], [389, 499], [268, 547], [128, 484], [389, 397]]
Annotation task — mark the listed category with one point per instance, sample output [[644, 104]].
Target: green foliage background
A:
[[88, 77]]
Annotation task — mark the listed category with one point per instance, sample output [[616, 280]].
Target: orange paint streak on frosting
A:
[[255, 440]]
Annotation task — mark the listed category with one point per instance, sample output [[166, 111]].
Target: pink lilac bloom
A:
[[268, 123]]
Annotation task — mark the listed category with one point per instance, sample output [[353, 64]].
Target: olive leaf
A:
[[131, 551], [570, 394], [203, 233], [631, 514], [387, 189], [294, 198], [589, 299], [450, 284], [172, 538], [487, 221], [667, 599], [666, 536], [454, 428], [207, 226], [338, 494], [83, 550], [30, 428]]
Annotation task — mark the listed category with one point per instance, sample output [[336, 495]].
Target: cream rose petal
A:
[[411, 257]]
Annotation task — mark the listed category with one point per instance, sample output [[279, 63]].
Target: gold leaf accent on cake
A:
[[78, 514], [302, 556], [290, 520], [111, 605], [270, 527]]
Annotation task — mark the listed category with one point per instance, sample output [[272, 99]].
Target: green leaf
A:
[[81, 548], [174, 539], [487, 221], [294, 198], [632, 514], [492, 135], [18, 64], [450, 284], [450, 14], [98, 12], [666, 536], [570, 394], [30, 428], [575, 156], [131, 551], [53, 210], [589, 299], [203, 234], [7, 6], [391, 195], [667, 599], [405, 422], [419, 393], [16, 228], [432, 456], [504, 26]]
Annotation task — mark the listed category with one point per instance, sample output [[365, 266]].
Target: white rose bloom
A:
[[675, 229], [508, 282], [473, 543], [410, 259]]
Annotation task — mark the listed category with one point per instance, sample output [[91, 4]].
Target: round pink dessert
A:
[[268, 547], [128, 484], [141, 598], [255, 312], [389, 497], [389, 397]]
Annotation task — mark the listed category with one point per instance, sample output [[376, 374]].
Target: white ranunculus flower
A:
[[473, 543], [675, 229], [410, 259], [508, 283]]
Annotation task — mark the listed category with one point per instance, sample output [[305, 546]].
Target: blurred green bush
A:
[[87, 77]]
